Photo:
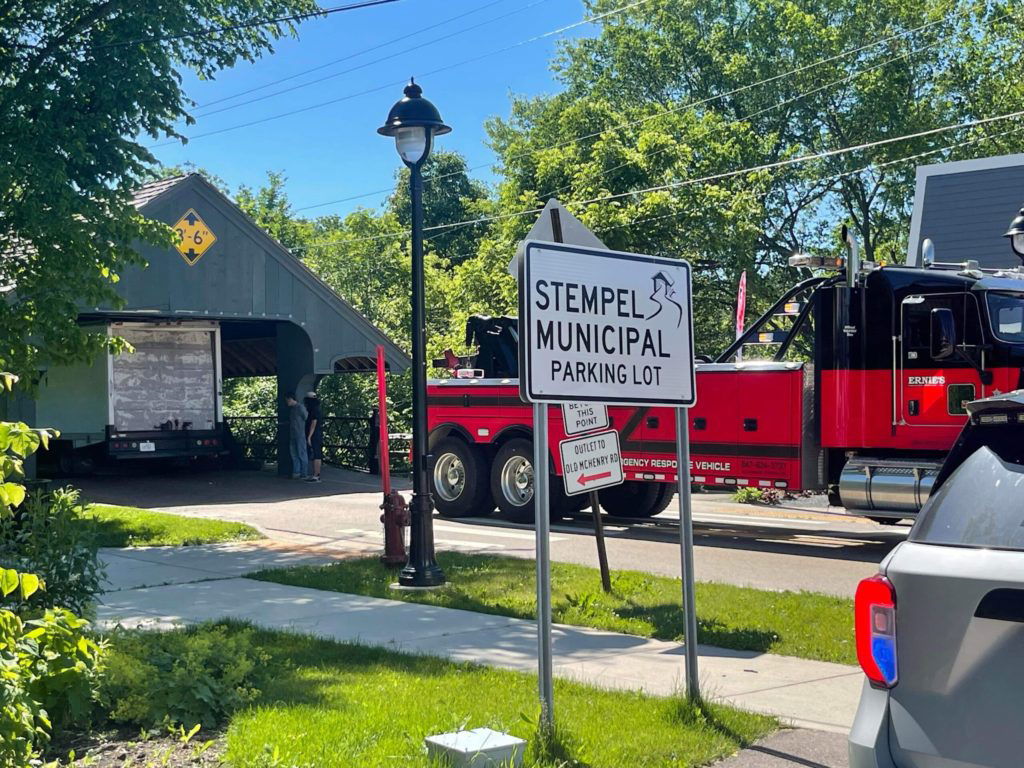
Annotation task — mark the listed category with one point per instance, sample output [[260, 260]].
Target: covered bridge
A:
[[267, 315]]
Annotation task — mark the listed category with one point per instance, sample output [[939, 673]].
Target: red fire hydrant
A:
[[395, 518]]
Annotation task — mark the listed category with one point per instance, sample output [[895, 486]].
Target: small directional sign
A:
[[591, 462], [584, 417], [196, 237]]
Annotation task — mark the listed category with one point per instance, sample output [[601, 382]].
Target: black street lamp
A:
[[1016, 234], [413, 122]]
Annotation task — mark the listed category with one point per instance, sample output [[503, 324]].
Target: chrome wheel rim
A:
[[449, 477], [517, 481]]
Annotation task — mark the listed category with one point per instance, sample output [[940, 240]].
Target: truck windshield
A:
[[1006, 313]]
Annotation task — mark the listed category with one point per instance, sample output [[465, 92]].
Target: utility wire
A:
[[371, 49], [715, 129], [701, 180], [662, 113], [835, 177], [765, 110], [445, 68], [372, 62], [206, 32]]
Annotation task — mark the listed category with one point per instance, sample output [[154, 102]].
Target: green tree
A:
[[365, 257], [714, 226], [270, 209], [671, 91], [449, 195], [84, 85]]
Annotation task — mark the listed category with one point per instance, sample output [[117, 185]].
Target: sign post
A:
[[686, 553], [599, 326], [542, 530]]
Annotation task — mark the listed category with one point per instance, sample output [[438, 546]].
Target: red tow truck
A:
[[862, 396]]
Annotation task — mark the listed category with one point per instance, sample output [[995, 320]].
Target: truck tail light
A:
[[875, 624]]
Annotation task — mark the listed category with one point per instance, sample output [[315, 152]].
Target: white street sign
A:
[[591, 462], [607, 326], [584, 417]]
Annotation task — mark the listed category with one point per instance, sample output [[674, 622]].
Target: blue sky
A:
[[333, 151]]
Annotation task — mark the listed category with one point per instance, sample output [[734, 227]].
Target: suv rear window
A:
[[978, 506]]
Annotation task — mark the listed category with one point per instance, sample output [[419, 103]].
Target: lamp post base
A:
[[422, 569], [422, 577], [396, 587]]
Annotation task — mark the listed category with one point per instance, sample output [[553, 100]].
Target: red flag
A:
[[741, 304]]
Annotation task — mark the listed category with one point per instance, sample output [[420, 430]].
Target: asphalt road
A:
[[794, 547]]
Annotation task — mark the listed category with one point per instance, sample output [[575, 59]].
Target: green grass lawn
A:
[[804, 624], [328, 704], [134, 527]]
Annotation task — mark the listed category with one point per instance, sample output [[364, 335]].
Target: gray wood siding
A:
[[965, 214]]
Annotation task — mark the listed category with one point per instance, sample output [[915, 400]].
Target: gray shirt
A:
[[297, 421]]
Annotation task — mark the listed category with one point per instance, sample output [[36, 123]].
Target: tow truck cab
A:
[[898, 356]]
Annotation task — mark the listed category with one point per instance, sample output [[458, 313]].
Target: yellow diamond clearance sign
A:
[[196, 237]]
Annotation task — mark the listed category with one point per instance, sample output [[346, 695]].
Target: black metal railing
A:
[[254, 437], [349, 441]]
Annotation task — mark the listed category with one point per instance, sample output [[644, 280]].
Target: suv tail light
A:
[[875, 623]]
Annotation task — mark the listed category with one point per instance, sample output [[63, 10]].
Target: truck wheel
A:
[[634, 499], [666, 492], [512, 483], [458, 482]]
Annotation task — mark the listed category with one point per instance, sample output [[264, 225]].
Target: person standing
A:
[[314, 435], [297, 446]]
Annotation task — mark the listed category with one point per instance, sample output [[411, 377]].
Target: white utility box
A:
[[479, 748]]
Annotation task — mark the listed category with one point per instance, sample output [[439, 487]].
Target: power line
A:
[[838, 176], [701, 180], [372, 62], [662, 113], [757, 113], [445, 68], [764, 110], [320, 12], [372, 48], [835, 177]]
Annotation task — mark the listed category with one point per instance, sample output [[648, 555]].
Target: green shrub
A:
[[757, 496], [24, 727], [66, 666], [48, 673], [195, 676], [48, 536], [48, 665]]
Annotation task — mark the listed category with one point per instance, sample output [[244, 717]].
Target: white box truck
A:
[[163, 399]]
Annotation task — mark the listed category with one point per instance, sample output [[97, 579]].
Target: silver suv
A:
[[940, 630]]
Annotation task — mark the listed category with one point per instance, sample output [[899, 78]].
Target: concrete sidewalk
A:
[[161, 587]]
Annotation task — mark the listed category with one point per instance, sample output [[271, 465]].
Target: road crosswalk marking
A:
[[481, 530], [360, 533]]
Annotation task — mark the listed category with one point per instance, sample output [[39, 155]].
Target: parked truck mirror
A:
[[943, 336]]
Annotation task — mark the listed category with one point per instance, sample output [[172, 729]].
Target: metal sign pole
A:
[[542, 527], [686, 553]]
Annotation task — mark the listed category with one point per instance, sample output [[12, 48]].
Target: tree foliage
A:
[[84, 84], [449, 195], [673, 91], [269, 208]]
